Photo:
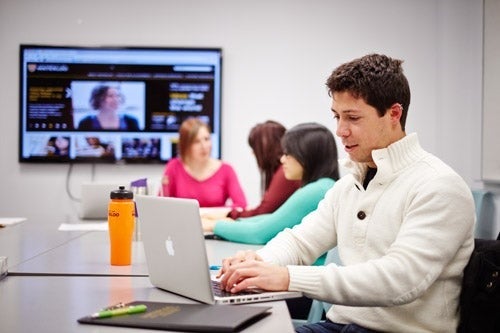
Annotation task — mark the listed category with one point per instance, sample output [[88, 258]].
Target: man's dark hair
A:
[[377, 79]]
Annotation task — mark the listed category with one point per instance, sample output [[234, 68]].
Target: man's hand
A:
[[247, 270]]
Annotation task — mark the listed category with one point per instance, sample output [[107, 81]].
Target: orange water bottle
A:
[[121, 219]]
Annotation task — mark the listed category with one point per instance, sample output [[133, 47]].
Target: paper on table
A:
[[6, 221], [97, 226], [214, 212]]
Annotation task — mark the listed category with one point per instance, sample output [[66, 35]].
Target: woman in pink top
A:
[[196, 175]]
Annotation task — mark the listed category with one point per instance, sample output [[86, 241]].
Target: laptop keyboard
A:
[[218, 291]]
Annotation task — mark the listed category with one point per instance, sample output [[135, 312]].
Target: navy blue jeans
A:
[[331, 327]]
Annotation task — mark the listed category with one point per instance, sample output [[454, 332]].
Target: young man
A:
[[402, 220]]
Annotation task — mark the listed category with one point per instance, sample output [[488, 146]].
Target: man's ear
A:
[[396, 112]]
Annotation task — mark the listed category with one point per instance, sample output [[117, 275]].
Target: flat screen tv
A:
[[114, 104]]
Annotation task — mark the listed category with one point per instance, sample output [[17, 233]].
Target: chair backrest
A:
[[320, 307], [480, 295], [485, 214]]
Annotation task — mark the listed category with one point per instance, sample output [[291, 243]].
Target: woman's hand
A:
[[208, 224]]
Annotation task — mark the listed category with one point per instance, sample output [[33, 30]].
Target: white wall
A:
[[277, 56]]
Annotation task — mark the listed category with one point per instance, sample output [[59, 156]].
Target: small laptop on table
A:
[[176, 255], [95, 200]]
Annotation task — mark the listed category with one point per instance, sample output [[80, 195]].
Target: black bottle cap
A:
[[121, 193]]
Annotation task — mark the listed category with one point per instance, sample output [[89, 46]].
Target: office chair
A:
[[319, 307], [485, 214]]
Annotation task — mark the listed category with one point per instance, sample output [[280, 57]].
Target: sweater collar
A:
[[390, 160]]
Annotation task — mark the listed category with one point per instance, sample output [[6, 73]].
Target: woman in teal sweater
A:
[[310, 155]]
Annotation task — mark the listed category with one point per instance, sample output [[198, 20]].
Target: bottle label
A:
[[113, 213]]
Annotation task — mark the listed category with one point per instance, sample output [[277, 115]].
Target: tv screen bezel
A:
[[217, 118]]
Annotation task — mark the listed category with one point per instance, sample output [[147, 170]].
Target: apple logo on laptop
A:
[[169, 245]]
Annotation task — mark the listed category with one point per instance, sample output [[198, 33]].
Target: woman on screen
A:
[[196, 175], [107, 101], [57, 146]]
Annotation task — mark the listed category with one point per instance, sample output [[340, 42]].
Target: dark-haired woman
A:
[[310, 155], [265, 141]]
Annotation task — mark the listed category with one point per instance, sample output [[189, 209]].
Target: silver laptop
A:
[[176, 255], [95, 200]]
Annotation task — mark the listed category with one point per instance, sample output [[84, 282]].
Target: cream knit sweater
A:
[[403, 243]]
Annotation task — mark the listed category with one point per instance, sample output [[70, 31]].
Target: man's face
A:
[[361, 129]]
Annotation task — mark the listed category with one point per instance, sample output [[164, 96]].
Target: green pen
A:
[[120, 311]]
